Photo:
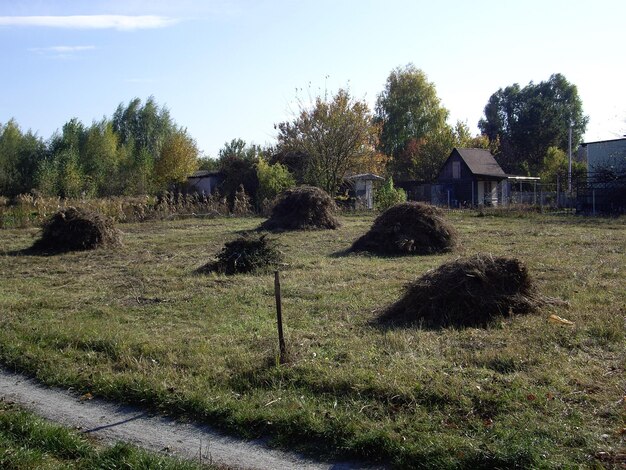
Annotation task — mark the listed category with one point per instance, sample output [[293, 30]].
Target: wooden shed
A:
[[471, 176], [363, 186], [203, 181]]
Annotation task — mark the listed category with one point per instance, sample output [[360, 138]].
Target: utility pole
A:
[[569, 166]]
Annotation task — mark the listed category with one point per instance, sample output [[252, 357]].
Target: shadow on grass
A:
[[350, 252], [30, 251], [44, 252]]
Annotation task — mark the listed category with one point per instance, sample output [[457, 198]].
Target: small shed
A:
[[470, 176], [204, 181], [363, 185]]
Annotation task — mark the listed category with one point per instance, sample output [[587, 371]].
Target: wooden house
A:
[[470, 177]]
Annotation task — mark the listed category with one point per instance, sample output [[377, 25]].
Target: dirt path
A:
[[111, 423]]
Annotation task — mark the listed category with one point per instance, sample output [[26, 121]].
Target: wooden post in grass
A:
[[282, 358]]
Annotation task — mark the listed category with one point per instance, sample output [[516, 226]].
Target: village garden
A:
[[140, 323]]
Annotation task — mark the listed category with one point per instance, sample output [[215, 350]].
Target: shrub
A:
[[387, 195], [246, 254], [273, 179]]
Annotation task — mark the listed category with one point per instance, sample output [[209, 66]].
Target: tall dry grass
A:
[[32, 210]]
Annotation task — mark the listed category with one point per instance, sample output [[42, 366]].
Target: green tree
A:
[[273, 179], [177, 159], [47, 177], [238, 161], [556, 167], [335, 135], [20, 155], [238, 148], [101, 159], [64, 162], [142, 130], [408, 110], [61, 175], [208, 163], [528, 121], [422, 159], [72, 137], [387, 195]]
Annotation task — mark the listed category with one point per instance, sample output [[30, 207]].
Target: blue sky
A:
[[232, 69]]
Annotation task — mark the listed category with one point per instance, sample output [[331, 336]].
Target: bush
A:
[[387, 196], [273, 179], [245, 255]]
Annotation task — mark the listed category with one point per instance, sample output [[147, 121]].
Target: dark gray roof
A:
[[204, 174], [481, 162], [365, 176]]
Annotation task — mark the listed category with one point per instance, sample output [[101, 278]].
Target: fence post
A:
[[558, 186], [593, 201], [282, 358]]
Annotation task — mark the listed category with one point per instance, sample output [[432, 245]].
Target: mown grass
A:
[[29, 442], [138, 324]]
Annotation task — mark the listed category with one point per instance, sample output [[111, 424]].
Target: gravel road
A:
[[112, 422]]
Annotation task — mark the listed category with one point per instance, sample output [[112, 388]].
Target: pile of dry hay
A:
[[408, 228], [467, 292], [74, 229], [249, 253], [302, 208]]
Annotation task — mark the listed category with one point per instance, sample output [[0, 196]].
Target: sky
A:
[[234, 69]]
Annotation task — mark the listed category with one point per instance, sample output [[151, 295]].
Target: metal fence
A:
[[602, 192], [599, 193]]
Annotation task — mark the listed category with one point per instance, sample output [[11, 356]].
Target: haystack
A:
[[74, 229], [249, 253], [408, 228], [302, 208], [467, 292]]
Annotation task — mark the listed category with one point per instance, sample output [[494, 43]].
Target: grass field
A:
[[29, 442], [136, 324]]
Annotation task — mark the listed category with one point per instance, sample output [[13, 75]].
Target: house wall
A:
[[460, 188], [447, 170], [206, 184], [364, 191], [610, 153]]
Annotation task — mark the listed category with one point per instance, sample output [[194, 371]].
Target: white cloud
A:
[[119, 22], [62, 49]]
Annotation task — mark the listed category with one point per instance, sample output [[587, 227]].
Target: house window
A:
[[456, 170]]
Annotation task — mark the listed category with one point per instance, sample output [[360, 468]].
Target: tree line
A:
[[141, 150]]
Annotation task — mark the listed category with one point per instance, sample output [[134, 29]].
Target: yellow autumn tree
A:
[[177, 159]]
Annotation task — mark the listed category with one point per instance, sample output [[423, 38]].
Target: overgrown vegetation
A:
[[138, 325], [247, 254], [27, 441], [33, 211], [388, 195]]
